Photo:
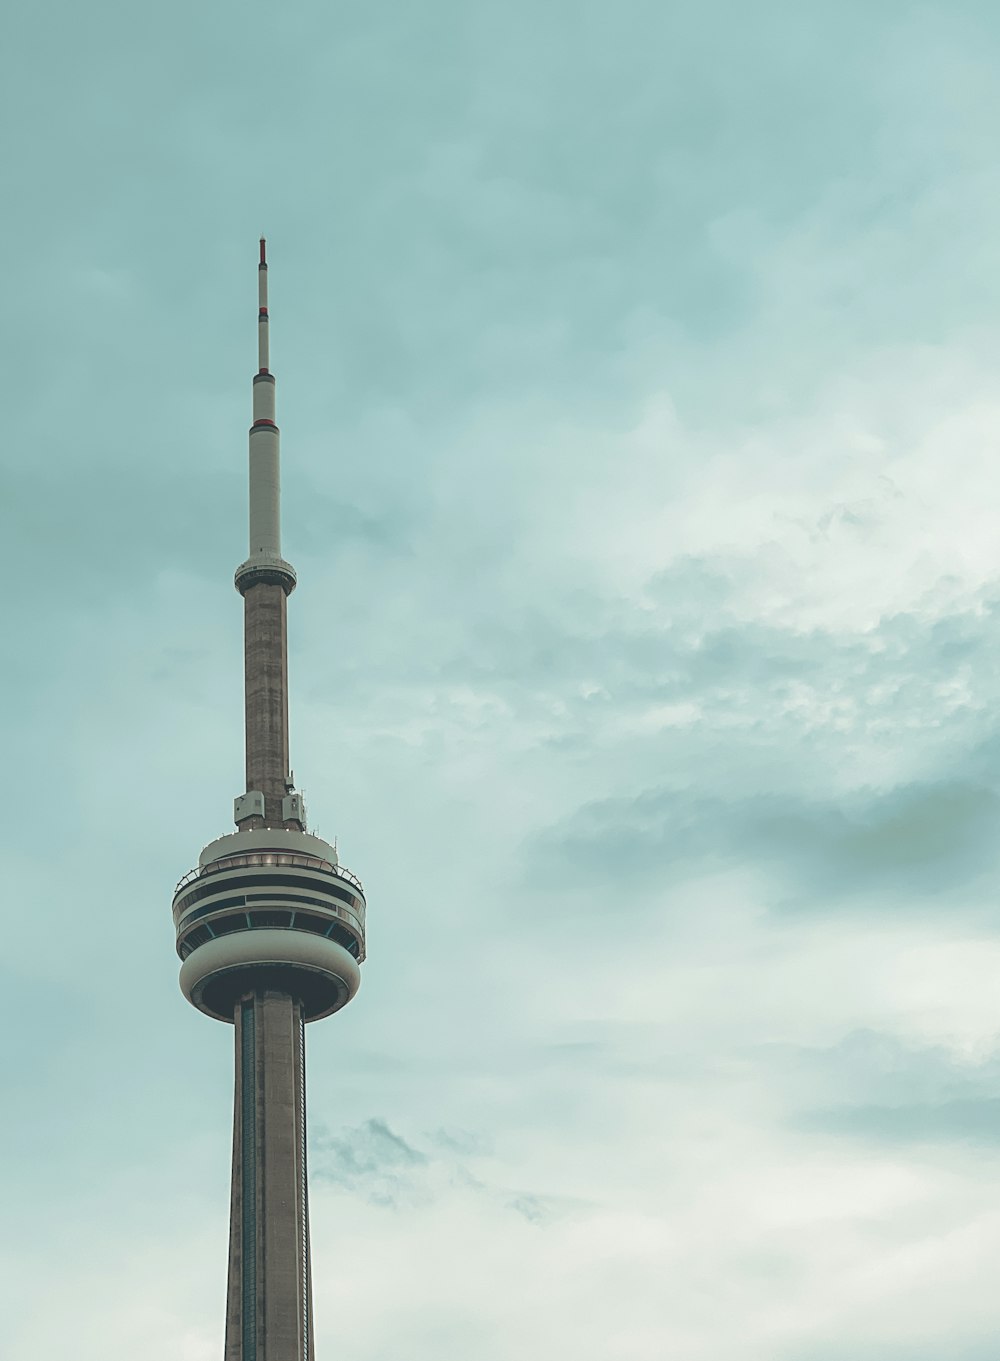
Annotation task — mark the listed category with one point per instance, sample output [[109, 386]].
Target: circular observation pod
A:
[[269, 908], [319, 973]]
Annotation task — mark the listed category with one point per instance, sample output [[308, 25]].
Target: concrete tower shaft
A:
[[265, 659], [269, 1298]]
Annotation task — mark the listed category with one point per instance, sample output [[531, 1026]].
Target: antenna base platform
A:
[[272, 570]]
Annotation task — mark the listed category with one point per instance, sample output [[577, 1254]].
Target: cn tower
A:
[[270, 932]]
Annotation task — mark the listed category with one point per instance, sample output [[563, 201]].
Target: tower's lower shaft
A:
[[269, 1312]]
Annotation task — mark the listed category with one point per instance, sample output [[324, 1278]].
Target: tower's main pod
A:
[[270, 931]]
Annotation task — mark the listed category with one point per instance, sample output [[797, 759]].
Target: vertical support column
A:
[[265, 633], [306, 1287], [269, 1313]]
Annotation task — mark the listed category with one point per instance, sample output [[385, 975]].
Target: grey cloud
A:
[[970, 1121], [599, 659], [870, 1063], [464, 1143], [916, 840], [371, 1160], [374, 1161], [873, 1086], [539, 1209], [370, 1148]]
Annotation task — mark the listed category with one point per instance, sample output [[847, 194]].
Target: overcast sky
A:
[[638, 382]]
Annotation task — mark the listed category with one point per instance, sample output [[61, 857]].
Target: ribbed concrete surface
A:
[[269, 1307], [266, 677]]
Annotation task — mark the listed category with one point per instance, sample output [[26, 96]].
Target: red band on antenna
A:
[[263, 257]]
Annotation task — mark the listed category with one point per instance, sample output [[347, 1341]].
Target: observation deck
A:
[[269, 908]]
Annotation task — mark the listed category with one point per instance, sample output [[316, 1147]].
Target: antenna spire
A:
[[262, 325], [264, 581]]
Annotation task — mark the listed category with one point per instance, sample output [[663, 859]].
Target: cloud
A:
[[373, 1162], [370, 1159], [912, 842], [969, 1122], [876, 1087]]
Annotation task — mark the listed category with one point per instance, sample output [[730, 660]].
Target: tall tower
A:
[[270, 931]]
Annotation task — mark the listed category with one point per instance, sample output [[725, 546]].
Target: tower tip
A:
[[263, 255]]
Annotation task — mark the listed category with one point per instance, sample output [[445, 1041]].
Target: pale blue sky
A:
[[637, 376]]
